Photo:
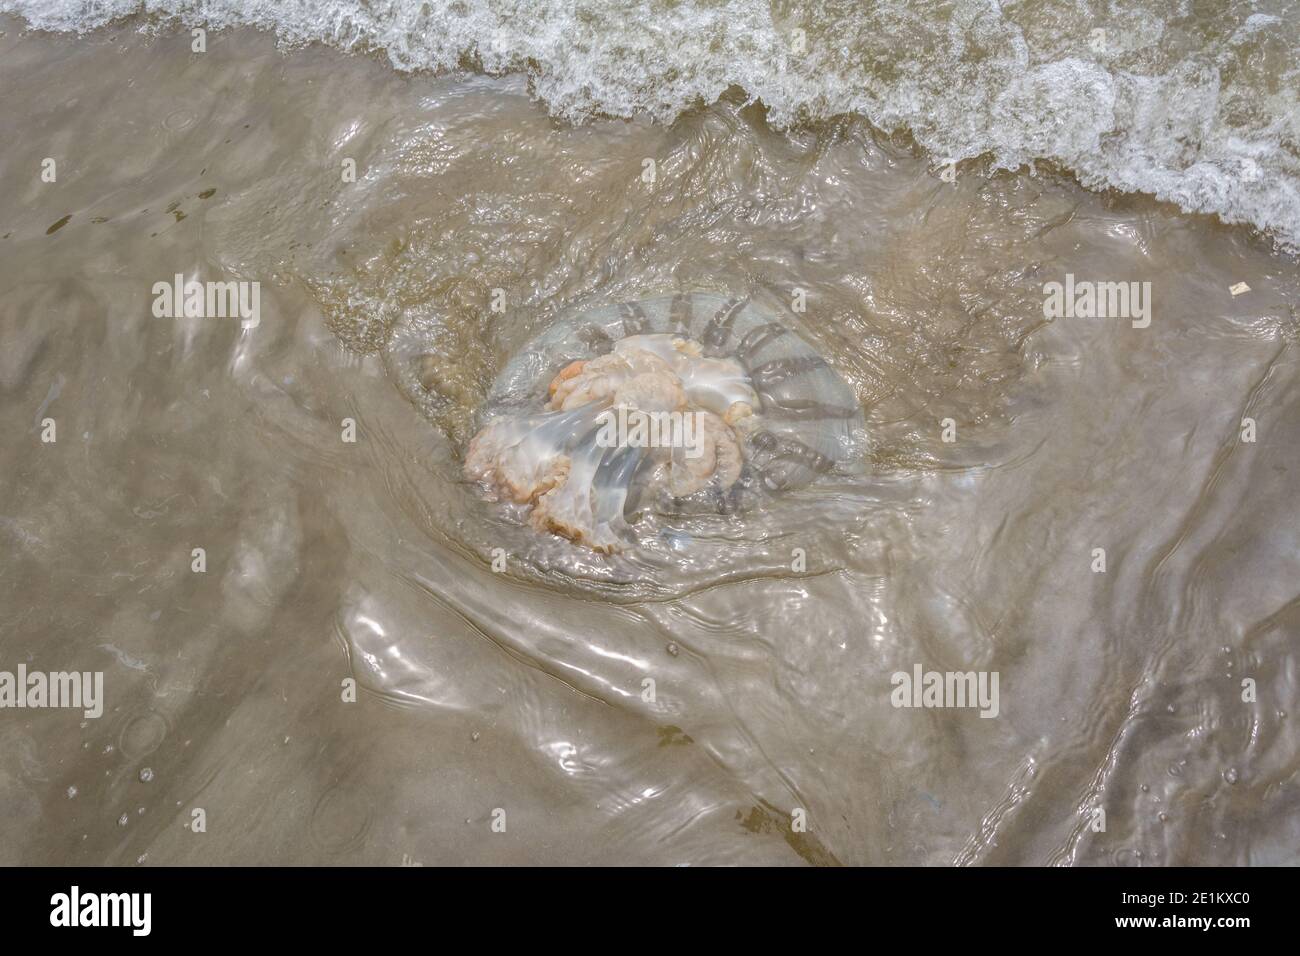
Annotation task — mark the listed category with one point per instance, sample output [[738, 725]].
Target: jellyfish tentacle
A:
[[596, 339], [758, 337], [635, 321], [718, 331], [681, 313], [772, 373]]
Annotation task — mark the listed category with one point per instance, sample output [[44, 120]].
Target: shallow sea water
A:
[[524, 691]]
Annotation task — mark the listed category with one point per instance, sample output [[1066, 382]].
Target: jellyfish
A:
[[683, 404]]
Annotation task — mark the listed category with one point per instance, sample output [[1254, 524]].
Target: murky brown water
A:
[[524, 691]]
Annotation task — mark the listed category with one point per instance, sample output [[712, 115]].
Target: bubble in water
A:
[[143, 734]]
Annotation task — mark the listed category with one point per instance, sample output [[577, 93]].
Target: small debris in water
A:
[[123, 820], [672, 649], [1238, 289], [72, 792], [146, 775], [1230, 775]]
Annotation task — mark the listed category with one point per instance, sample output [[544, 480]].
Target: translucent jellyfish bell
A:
[[678, 404]]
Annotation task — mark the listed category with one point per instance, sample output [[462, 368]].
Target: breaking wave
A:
[[1194, 104]]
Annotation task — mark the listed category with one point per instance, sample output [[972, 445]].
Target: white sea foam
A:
[[1199, 109]]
